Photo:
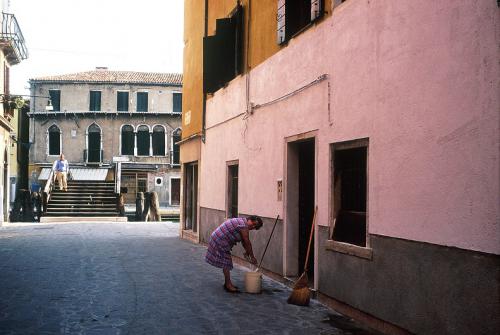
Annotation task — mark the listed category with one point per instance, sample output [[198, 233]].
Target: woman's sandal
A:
[[231, 291]]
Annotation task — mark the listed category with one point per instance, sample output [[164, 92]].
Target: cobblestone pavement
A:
[[135, 278]]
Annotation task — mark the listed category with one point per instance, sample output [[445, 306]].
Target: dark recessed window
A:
[[350, 191], [177, 103], [142, 101], [143, 141], [127, 140], [55, 99], [176, 137], [122, 101], [295, 15], [54, 140], [158, 141], [95, 101]]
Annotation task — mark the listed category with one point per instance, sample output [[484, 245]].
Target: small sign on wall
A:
[[73, 133]]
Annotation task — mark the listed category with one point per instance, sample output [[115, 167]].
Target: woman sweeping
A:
[[222, 241]]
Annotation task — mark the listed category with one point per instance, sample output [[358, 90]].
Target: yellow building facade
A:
[[200, 21]]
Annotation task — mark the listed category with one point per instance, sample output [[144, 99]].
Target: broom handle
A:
[[270, 236], [310, 240]]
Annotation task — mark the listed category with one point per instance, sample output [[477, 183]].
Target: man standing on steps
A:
[[61, 169]]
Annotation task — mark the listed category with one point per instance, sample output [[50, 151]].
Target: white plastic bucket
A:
[[253, 282]]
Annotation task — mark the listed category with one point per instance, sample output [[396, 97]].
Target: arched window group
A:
[[143, 141], [140, 141]]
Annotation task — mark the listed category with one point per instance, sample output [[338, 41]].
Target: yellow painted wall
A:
[[192, 97], [263, 45]]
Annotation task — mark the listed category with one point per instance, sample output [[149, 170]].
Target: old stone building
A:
[[110, 125], [13, 50]]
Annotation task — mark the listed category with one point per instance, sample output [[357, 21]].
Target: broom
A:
[[301, 295], [265, 249]]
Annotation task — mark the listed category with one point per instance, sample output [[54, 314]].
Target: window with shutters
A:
[[223, 52], [95, 101], [143, 141], [349, 162], [54, 140], [142, 101], [127, 140], [122, 101], [55, 99], [177, 102], [295, 15], [158, 138]]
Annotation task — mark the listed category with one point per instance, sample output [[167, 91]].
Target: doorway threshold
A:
[[190, 235]]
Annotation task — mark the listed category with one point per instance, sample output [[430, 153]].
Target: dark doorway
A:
[[5, 186], [306, 202], [175, 191], [191, 196], [232, 190], [300, 198], [94, 144]]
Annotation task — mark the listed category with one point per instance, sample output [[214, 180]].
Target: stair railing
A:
[[47, 190]]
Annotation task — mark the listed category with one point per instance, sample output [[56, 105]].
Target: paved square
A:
[[134, 278]]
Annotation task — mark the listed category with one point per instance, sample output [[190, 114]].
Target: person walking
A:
[[61, 169], [222, 241]]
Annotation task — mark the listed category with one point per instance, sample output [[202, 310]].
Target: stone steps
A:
[[83, 199]]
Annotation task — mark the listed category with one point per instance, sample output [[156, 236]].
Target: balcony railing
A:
[[12, 40]]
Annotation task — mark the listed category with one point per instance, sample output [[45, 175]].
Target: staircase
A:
[[83, 199]]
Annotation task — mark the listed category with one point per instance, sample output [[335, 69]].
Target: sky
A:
[[67, 36]]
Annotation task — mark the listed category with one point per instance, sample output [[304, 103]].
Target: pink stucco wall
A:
[[419, 78]]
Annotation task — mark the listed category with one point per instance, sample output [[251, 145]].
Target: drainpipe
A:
[[204, 111]]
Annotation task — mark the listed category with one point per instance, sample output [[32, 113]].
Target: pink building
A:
[[384, 115]]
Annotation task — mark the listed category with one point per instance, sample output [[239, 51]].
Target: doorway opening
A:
[[5, 185], [232, 190], [94, 144], [191, 197], [300, 205]]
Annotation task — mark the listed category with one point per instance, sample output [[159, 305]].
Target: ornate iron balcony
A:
[[12, 40]]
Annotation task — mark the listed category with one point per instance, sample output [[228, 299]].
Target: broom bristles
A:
[[300, 295]]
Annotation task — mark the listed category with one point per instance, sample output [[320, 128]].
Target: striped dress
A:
[[222, 241]]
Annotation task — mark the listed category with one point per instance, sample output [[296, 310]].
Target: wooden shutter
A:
[[316, 9], [280, 17], [122, 101], [142, 101]]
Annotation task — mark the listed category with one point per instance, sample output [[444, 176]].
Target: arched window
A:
[[176, 137], [127, 140], [54, 140], [158, 141], [94, 144], [143, 141]]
